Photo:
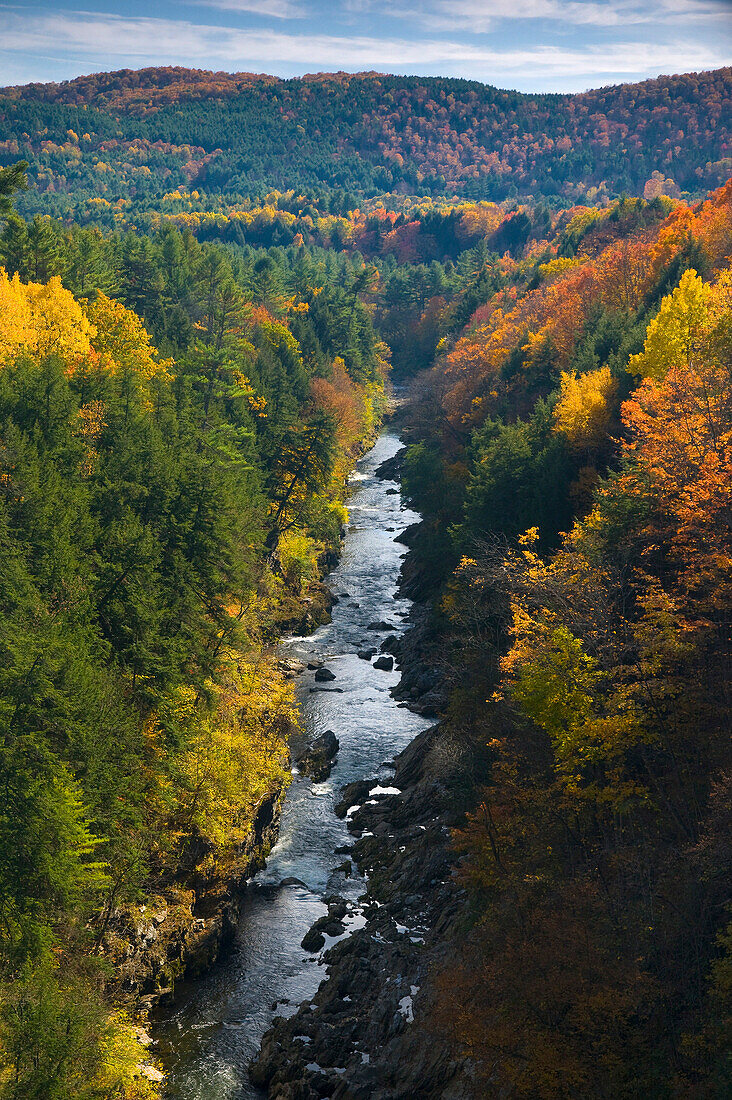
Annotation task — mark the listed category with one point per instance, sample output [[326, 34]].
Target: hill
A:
[[129, 139]]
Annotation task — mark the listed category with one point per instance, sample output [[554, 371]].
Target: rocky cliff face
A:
[[182, 929]]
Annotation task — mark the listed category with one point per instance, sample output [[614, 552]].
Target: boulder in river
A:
[[385, 664], [351, 795], [366, 654], [329, 925], [317, 760], [313, 940], [381, 624], [323, 675]]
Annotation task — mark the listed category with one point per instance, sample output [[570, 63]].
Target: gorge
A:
[[214, 1028], [350, 752]]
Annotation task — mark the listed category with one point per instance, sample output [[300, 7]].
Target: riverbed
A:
[[207, 1038]]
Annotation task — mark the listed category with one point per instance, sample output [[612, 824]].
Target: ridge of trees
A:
[[136, 136]]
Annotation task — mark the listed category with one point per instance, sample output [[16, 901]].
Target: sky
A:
[[530, 45]]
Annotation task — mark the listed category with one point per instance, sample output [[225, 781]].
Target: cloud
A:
[[271, 9], [481, 16], [97, 40]]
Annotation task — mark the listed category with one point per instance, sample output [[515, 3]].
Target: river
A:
[[206, 1039]]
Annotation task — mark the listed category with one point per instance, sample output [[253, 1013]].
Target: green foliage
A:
[[12, 179], [557, 689], [46, 845], [58, 1040], [425, 484], [142, 501], [521, 478]]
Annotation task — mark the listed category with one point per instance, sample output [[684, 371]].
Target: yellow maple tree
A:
[[42, 319], [583, 410], [122, 339]]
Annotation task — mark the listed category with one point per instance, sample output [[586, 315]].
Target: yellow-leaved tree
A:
[[235, 750], [42, 319], [583, 411], [674, 334], [121, 338]]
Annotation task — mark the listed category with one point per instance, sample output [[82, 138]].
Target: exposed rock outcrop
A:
[[182, 929], [317, 760], [364, 1036]]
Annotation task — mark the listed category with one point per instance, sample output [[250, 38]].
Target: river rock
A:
[[313, 940], [431, 704], [323, 675], [385, 664], [317, 760], [366, 654], [290, 666], [381, 624], [150, 1073], [353, 794], [329, 925]]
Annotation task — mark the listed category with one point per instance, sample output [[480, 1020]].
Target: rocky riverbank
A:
[[363, 1035], [182, 929], [366, 1032]]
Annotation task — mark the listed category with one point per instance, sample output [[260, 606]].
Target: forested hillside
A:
[[120, 144], [164, 515], [573, 461]]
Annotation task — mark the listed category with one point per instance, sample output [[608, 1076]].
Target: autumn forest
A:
[[211, 288]]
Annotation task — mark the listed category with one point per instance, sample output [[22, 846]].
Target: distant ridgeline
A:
[[112, 146]]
